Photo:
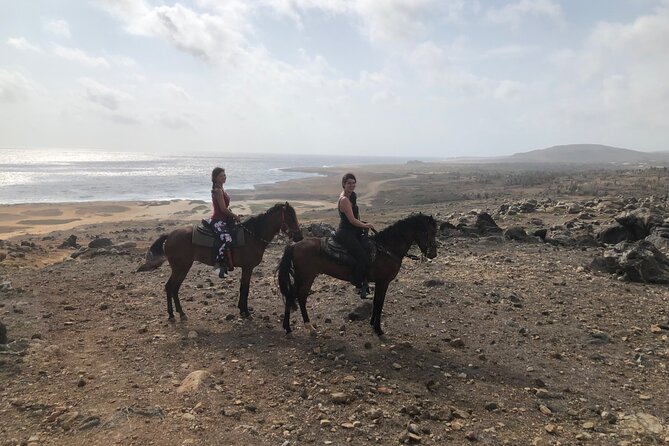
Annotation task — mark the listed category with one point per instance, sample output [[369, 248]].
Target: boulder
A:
[[485, 225], [614, 234], [320, 230], [638, 261], [101, 242], [515, 233], [71, 242]]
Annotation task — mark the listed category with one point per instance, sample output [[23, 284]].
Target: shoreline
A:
[[315, 196]]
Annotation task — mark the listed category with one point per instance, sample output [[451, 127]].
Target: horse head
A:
[[426, 235], [289, 224]]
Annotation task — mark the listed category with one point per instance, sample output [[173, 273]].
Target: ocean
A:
[[56, 176]]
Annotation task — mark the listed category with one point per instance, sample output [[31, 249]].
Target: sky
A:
[[430, 78]]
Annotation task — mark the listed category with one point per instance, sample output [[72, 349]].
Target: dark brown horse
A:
[[303, 261], [180, 252]]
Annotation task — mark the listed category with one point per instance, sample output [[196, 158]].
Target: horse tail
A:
[[287, 275], [155, 256]]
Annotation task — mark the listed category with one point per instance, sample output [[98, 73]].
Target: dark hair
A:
[[215, 173], [346, 177]]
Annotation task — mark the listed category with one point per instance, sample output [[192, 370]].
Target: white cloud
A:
[[510, 51], [107, 97], [217, 36], [79, 56], [176, 92], [513, 14], [20, 43], [57, 27], [14, 87], [620, 73]]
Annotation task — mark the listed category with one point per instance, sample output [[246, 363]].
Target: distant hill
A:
[[587, 154]]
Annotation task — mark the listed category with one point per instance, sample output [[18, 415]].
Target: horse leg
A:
[[302, 294], [168, 292], [379, 296], [244, 284], [286, 318], [177, 279]]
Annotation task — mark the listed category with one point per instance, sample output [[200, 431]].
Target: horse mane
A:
[[397, 229], [255, 223]]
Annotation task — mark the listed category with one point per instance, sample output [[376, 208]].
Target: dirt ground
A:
[[492, 342]]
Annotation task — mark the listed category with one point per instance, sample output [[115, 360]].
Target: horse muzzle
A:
[[297, 236]]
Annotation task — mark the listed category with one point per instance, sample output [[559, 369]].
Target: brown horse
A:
[[180, 252], [303, 261]]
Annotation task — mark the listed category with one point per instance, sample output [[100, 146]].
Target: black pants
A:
[[353, 244]]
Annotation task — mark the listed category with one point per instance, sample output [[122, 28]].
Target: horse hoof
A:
[[183, 317], [378, 331], [171, 320], [245, 314]]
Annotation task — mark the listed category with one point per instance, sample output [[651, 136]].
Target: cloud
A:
[[107, 97], [176, 122], [57, 27], [513, 14], [20, 43], [510, 52], [176, 92], [217, 36], [79, 56], [620, 72], [14, 87]]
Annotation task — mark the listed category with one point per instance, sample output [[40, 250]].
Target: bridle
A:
[[284, 228]]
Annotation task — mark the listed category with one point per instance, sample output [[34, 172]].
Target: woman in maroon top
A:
[[223, 218]]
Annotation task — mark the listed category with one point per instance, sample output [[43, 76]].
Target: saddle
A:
[[203, 235], [333, 249]]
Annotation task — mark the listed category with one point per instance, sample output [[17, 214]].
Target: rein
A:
[[382, 249], [284, 228]]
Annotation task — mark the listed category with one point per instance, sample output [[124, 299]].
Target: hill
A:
[[588, 154]]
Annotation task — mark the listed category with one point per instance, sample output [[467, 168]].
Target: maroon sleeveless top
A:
[[218, 212]]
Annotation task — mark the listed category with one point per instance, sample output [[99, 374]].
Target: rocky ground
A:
[[495, 341]]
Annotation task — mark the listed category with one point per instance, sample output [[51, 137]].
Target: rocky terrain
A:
[[510, 336]]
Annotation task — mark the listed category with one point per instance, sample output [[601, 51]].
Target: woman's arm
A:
[[220, 199], [347, 209]]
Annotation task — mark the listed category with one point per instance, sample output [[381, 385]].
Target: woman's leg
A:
[[352, 244]]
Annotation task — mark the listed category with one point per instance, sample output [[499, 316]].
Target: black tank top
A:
[[344, 224]]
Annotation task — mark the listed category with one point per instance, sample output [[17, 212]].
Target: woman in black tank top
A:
[[350, 231]]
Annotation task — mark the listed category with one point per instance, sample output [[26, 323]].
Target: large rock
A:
[[639, 222], [485, 225], [614, 234], [638, 261], [101, 242], [320, 230], [515, 233]]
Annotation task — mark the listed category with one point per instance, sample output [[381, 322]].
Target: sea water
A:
[[56, 176]]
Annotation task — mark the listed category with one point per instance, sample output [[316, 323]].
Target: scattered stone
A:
[[339, 397], [457, 343], [194, 381], [471, 436]]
